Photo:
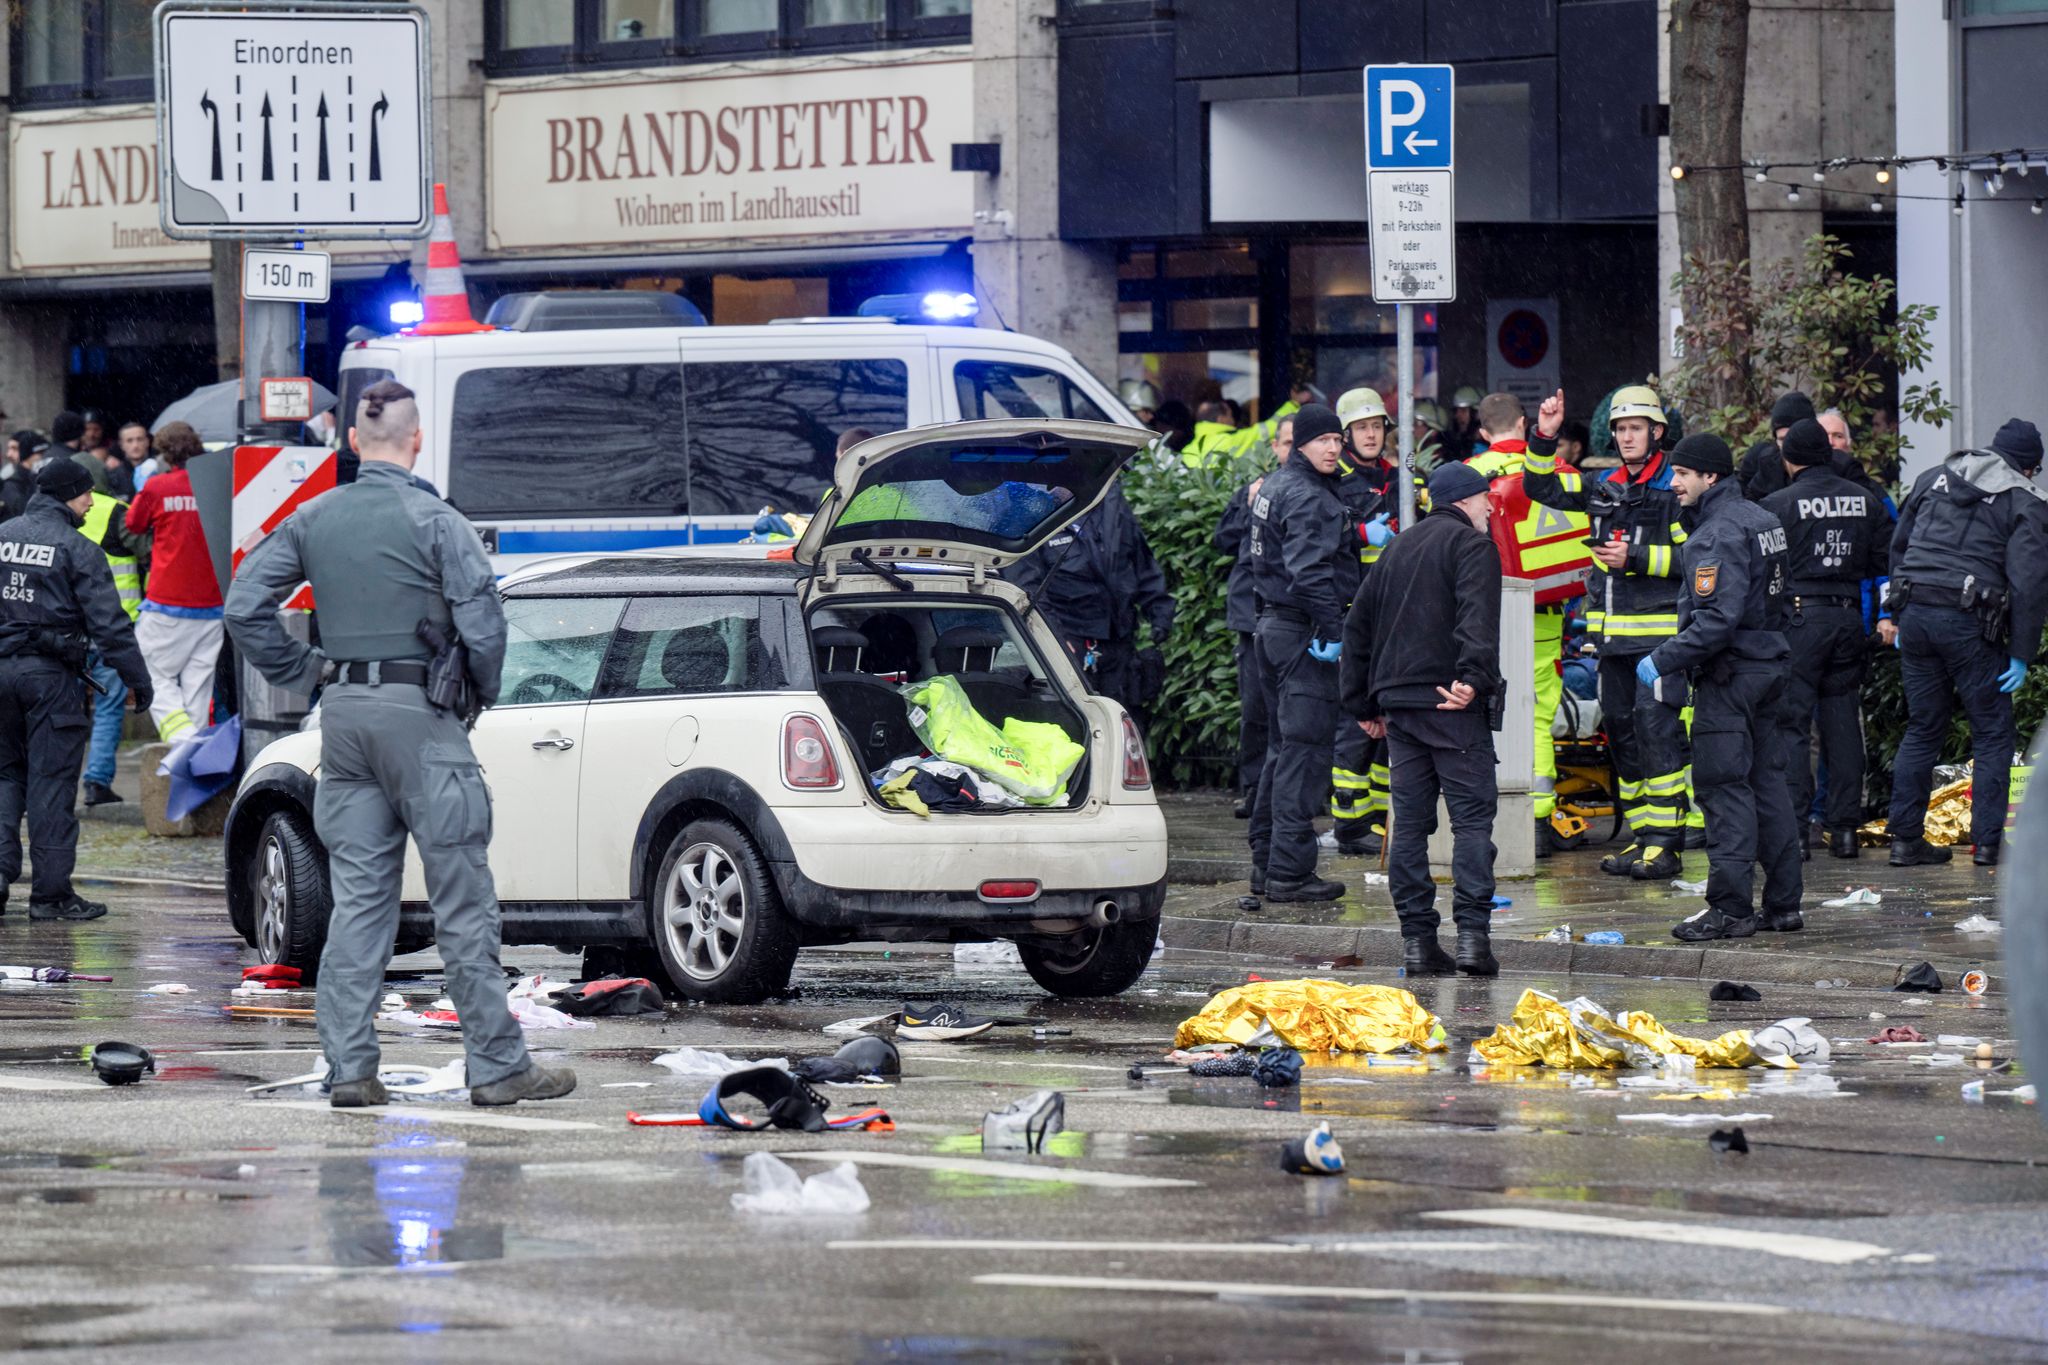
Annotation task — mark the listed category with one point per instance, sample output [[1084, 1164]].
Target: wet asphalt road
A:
[[180, 1219]]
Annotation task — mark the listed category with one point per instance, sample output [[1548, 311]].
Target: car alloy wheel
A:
[[705, 909], [273, 903]]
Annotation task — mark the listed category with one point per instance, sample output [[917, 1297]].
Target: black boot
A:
[[1243, 809], [358, 1094], [1781, 921], [1258, 881], [1842, 844], [1475, 954], [1711, 924], [1544, 847], [1986, 855], [1655, 864], [1918, 853], [1424, 956], [534, 1083], [72, 907], [1313, 889], [1618, 864]]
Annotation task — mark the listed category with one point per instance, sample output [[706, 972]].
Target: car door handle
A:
[[557, 742]]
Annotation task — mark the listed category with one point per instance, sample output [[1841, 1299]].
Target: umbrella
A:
[[214, 410]]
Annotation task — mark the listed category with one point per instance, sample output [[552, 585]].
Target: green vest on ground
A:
[[99, 519]]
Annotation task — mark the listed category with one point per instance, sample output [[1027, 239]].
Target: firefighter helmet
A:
[[1636, 400], [1359, 404]]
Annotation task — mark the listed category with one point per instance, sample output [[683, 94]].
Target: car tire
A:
[[289, 890], [1094, 962], [717, 919]]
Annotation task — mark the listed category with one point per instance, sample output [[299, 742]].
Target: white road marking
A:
[[8, 1082], [1253, 1288], [1008, 1170], [1798, 1246], [1169, 1248], [435, 1114]]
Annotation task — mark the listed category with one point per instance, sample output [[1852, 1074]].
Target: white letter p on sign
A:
[[1389, 120]]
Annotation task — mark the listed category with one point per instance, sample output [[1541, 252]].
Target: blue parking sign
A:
[[1408, 118]]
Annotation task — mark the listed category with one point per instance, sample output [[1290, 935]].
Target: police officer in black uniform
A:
[[1241, 613], [1731, 644], [1305, 571], [1970, 591], [1836, 536], [57, 598]]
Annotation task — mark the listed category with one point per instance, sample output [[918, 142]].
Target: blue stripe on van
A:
[[597, 542]]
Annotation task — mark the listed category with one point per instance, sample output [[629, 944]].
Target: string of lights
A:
[[1992, 167]]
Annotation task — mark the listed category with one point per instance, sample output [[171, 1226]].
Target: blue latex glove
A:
[[1331, 652], [2015, 674], [1376, 532], [1646, 671]]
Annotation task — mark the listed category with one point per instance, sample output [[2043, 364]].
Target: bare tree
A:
[[1709, 70]]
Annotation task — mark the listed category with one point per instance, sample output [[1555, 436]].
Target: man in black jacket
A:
[[1422, 671], [1241, 613], [1305, 571], [1971, 596]]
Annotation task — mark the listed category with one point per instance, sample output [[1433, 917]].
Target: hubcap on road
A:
[[273, 903], [704, 908]]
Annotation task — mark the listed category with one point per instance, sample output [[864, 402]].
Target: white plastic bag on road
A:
[[1001, 953], [693, 1061], [1790, 1038], [1855, 895], [1980, 924], [773, 1186], [532, 1014]]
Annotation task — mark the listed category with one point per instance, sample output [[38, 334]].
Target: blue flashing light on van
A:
[[407, 312], [937, 305]]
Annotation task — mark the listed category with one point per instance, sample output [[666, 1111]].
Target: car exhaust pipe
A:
[[1105, 913]]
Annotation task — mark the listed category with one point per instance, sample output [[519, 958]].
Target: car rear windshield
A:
[[662, 439]]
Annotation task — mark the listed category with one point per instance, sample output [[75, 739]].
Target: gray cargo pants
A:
[[390, 763]]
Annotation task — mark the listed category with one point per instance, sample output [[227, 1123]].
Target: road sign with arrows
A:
[[287, 123], [1410, 117]]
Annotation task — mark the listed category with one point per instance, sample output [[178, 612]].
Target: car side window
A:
[[554, 647], [996, 389], [688, 646]]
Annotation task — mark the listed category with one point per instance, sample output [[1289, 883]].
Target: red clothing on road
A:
[[180, 567]]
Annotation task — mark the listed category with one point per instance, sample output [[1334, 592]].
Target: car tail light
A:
[[807, 762], [1137, 772], [1009, 891]]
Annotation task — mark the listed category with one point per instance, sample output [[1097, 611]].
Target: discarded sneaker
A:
[[360, 1094], [1475, 955], [1424, 956], [535, 1083], [1710, 923], [1618, 864], [1781, 922], [1918, 853], [73, 907], [1313, 889], [940, 1023], [100, 794], [1316, 1154], [1655, 864]]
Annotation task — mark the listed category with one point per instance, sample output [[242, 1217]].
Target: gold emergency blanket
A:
[[1582, 1036], [1948, 819], [1316, 1016]]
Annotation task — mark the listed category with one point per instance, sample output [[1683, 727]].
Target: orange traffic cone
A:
[[446, 296]]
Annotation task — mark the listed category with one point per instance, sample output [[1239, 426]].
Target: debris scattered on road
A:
[[1608, 937], [691, 1061], [1920, 977], [1728, 1140], [773, 1186], [1249, 905], [1793, 1038], [274, 976], [940, 1022], [1025, 1124], [846, 1027], [1975, 982], [1698, 888], [119, 1063], [1979, 924], [859, 1059], [613, 996], [1688, 1120], [1277, 1068], [1001, 953], [1315, 1015], [1316, 1154], [1734, 990], [1973, 1092], [1583, 1035], [47, 975], [1561, 934], [169, 988], [1897, 1033], [1854, 895]]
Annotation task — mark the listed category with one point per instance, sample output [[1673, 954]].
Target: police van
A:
[[596, 422]]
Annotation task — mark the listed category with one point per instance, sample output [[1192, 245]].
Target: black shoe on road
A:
[[1842, 844], [534, 1083], [1424, 956], [100, 794], [358, 1094], [1918, 853], [72, 907], [1986, 855], [1258, 881], [1313, 889], [1781, 922], [1475, 955], [940, 1022], [1710, 924], [1243, 809]]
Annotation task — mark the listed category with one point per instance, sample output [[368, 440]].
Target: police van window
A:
[[764, 433], [996, 389], [554, 647], [351, 386], [568, 441], [669, 646]]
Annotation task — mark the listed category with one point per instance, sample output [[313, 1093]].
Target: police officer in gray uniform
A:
[[56, 597], [383, 556]]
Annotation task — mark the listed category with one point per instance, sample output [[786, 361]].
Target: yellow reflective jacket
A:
[[103, 527]]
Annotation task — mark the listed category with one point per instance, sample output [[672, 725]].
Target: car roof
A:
[[643, 576], [554, 344]]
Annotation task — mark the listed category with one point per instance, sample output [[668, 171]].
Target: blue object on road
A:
[[1501, 902], [1325, 653], [1646, 671], [1610, 936], [204, 768]]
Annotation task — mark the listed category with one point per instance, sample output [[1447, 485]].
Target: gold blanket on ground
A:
[[1316, 1016], [1582, 1036]]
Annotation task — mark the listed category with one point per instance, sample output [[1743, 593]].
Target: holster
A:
[[448, 684]]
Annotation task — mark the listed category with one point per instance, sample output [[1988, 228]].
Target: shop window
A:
[[524, 35], [826, 13], [72, 50], [569, 441], [723, 18], [538, 23], [766, 433], [669, 646], [625, 21], [994, 389]]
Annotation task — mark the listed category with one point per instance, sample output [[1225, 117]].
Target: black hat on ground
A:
[[1455, 482], [63, 479], [1920, 977], [1806, 443], [2019, 443], [122, 1063], [1791, 407], [1312, 420], [1704, 453]]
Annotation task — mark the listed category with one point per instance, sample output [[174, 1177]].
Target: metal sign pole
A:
[[1404, 407]]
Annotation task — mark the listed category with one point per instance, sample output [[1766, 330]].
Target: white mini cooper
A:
[[684, 753]]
